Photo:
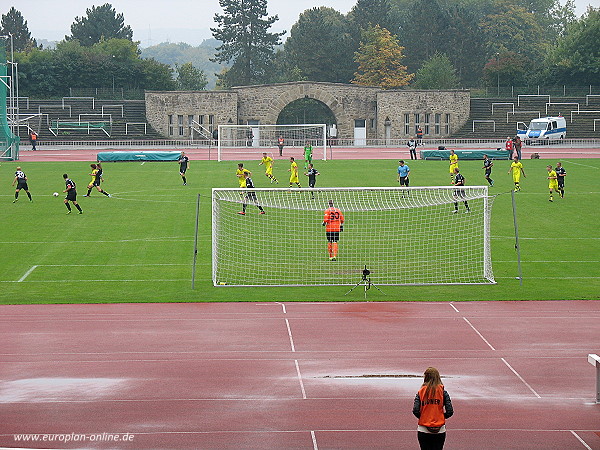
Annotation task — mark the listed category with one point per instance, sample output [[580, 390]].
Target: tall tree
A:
[[436, 73], [576, 57], [190, 78], [379, 58], [321, 47], [101, 22], [243, 29], [13, 23]]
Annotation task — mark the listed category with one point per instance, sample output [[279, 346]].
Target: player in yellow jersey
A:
[[294, 173], [552, 182], [516, 167], [453, 165], [267, 161], [240, 174]]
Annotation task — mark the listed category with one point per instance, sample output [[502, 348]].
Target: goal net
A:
[[405, 236], [243, 142]]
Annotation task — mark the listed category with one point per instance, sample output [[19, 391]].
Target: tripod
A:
[[366, 281]]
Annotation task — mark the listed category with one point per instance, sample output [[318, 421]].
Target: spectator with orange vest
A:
[[280, 143], [333, 221], [432, 407], [33, 139]]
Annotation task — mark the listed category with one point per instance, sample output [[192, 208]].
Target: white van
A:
[[549, 128]]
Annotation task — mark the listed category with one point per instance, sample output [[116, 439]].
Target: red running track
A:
[[297, 375], [203, 154]]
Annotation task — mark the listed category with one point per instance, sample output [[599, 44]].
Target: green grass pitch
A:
[[138, 246]]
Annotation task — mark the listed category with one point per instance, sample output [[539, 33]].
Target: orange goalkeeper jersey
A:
[[333, 219]]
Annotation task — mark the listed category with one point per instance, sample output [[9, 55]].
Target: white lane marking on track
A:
[[314, 439], [300, 379], [580, 440], [31, 269], [290, 335], [479, 334], [454, 307], [521, 378], [283, 306]]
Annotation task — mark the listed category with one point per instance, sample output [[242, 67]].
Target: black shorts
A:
[[96, 183], [404, 181], [488, 172], [459, 193], [22, 185], [561, 182], [71, 195], [311, 184], [333, 236], [182, 169], [251, 196]]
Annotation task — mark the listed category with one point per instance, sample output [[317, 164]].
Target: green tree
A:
[[436, 73], [13, 23], [576, 57], [243, 29], [380, 60], [506, 69], [321, 47], [101, 22], [190, 78]]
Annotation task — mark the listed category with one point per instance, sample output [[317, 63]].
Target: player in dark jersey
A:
[[184, 164], [21, 182], [71, 190], [560, 178], [250, 196], [312, 177], [487, 166], [459, 194]]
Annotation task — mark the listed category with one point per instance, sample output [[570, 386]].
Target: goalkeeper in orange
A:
[[333, 221]]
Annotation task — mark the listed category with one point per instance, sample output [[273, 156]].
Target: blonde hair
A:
[[432, 380]]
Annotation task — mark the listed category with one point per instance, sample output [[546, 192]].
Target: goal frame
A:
[[260, 148], [485, 246]]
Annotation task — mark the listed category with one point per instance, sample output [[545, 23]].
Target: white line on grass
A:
[[480, 335], [300, 379], [545, 278], [290, 335], [549, 261], [97, 281], [31, 269], [579, 164], [570, 238], [117, 241], [520, 378], [580, 440]]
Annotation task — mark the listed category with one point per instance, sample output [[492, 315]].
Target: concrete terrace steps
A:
[[128, 119]]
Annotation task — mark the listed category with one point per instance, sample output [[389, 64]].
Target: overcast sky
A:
[[156, 21]]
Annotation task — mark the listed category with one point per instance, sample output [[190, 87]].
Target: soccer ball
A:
[[55, 194]]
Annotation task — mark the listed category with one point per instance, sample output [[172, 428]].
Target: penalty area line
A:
[[31, 269]]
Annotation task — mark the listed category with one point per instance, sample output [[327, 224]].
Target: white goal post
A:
[[244, 142], [405, 236]]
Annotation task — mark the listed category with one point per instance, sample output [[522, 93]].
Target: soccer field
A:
[[138, 245]]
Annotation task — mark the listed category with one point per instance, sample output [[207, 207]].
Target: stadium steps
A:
[[527, 108], [123, 112]]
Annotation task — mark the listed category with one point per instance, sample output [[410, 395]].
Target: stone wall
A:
[[385, 112]]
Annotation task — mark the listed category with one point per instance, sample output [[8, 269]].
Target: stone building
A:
[[361, 113]]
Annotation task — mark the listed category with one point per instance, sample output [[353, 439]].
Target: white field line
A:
[[114, 241], [99, 281], [300, 379], [520, 378], [564, 238], [479, 334], [290, 335], [31, 269], [579, 164]]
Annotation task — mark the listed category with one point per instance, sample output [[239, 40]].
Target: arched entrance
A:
[[306, 111]]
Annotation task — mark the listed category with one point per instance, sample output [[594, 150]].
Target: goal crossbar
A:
[[405, 236]]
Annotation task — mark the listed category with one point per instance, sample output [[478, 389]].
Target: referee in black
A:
[[459, 194], [21, 182], [184, 163], [560, 178], [71, 190]]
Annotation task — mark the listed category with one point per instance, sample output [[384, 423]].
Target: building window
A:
[[211, 122], [407, 124], [438, 119], [427, 120], [190, 124], [447, 124], [373, 123], [417, 122], [180, 124], [170, 124], [201, 119]]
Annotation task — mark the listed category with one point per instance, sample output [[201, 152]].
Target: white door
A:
[[360, 132], [255, 133]]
